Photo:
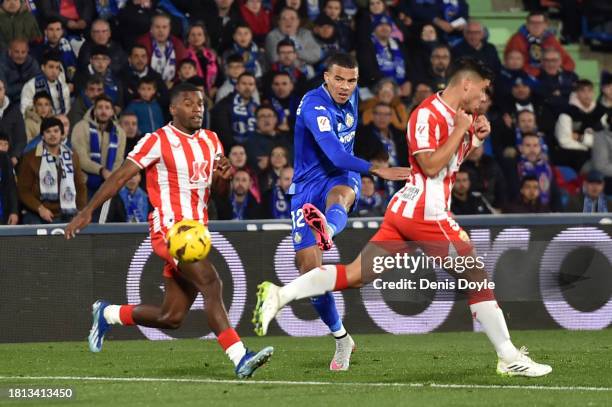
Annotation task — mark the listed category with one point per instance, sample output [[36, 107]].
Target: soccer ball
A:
[[188, 241]]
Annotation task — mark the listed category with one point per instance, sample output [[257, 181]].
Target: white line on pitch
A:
[[307, 383]]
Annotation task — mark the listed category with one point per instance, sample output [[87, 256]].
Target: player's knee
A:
[[172, 320]]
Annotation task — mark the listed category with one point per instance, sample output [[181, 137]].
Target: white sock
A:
[[236, 352], [316, 282], [111, 314], [330, 231], [340, 333], [493, 323]]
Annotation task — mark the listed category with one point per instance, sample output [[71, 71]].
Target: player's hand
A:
[[482, 127], [463, 121], [77, 223], [223, 168], [393, 174]]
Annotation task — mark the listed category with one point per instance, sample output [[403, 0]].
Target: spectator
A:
[[533, 162], [138, 67], [50, 81], [279, 159], [258, 18], [100, 36], [532, 38], [602, 153], [326, 35], [32, 144], [576, 126], [99, 142], [135, 200], [239, 159], [421, 92], [475, 45], [243, 45], [4, 143], [508, 74], [554, 83], [383, 57], [146, 107], [204, 56], [521, 99], [11, 124], [266, 137], [164, 49], [364, 19], [308, 51], [453, 19], [486, 178], [16, 21], [9, 206], [75, 15], [42, 108], [94, 87], [220, 21], [99, 65], [604, 104], [440, 60], [386, 91], [16, 68], [55, 41], [240, 204], [465, 201], [129, 123], [288, 63], [381, 139], [134, 20], [50, 182], [234, 67], [593, 198], [186, 70], [334, 9], [284, 100], [233, 118], [276, 203], [528, 200], [370, 203]]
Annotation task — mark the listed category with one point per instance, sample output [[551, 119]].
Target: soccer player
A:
[[327, 179], [441, 132], [181, 162]]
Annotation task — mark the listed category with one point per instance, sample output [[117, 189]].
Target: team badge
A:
[[68, 195], [297, 237], [48, 179], [349, 120]]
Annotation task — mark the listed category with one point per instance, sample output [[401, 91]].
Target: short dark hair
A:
[[342, 59], [583, 83], [186, 61], [530, 134], [182, 88], [4, 136], [147, 79], [49, 122], [472, 65], [242, 24], [265, 106], [246, 74], [537, 13], [53, 20], [42, 95], [234, 58], [281, 73], [528, 177], [127, 113], [103, 98], [285, 42], [138, 46], [94, 80], [51, 55]]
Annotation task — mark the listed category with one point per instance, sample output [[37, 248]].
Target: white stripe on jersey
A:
[[422, 129], [198, 156], [164, 189], [450, 122], [182, 174]]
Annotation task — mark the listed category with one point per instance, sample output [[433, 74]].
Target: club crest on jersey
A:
[[199, 172], [349, 120]]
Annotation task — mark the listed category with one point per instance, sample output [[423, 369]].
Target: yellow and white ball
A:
[[188, 241]]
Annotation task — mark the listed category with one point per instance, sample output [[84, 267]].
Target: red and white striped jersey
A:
[[179, 170], [423, 197]]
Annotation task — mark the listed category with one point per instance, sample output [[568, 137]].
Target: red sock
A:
[[227, 338], [125, 315], [475, 296], [341, 280]]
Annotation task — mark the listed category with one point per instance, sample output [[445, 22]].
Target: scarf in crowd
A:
[[395, 31], [250, 56], [164, 63], [110, 86], [243, 118], [519, 140], [390, 60], [239, 209], [41, 84], [69, 58], [4, 106], [369, 203], [389, 146], [542, 171], [294, 72], [534, 45], [95, 153], [175, 12], [280, 203], [136, 204], [595, 205], [56, 176], [450, 9], [284, 112], [108, 8]]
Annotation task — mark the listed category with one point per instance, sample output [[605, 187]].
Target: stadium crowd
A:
[[81, 81]]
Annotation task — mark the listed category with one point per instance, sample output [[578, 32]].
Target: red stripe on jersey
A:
[[209, 156], [190, 161], [137, 156], [173, 181]]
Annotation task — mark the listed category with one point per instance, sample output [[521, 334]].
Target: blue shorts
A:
[[315, 193]]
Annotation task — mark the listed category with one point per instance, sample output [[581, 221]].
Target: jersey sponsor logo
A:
[[177, 145], [421, 128], [320, 108], [347, 137], [323, 123], [199, 172]]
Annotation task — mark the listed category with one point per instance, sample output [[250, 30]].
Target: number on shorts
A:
[[297, 218]]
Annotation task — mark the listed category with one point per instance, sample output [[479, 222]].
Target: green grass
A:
[[578, 359]]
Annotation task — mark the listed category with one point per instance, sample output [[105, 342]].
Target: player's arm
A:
[[320, 126], [432, 162], [107, 190]]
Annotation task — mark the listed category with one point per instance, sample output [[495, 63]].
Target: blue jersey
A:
[[323, 139]]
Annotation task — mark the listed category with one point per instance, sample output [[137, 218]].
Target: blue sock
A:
[[326, 307], [336, 218]]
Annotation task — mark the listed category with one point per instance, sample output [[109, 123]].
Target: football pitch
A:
[[440, 369]]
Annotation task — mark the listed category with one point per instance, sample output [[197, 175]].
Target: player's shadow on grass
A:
[[201, 371]]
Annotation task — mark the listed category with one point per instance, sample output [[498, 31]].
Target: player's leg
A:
[[204, 277]]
